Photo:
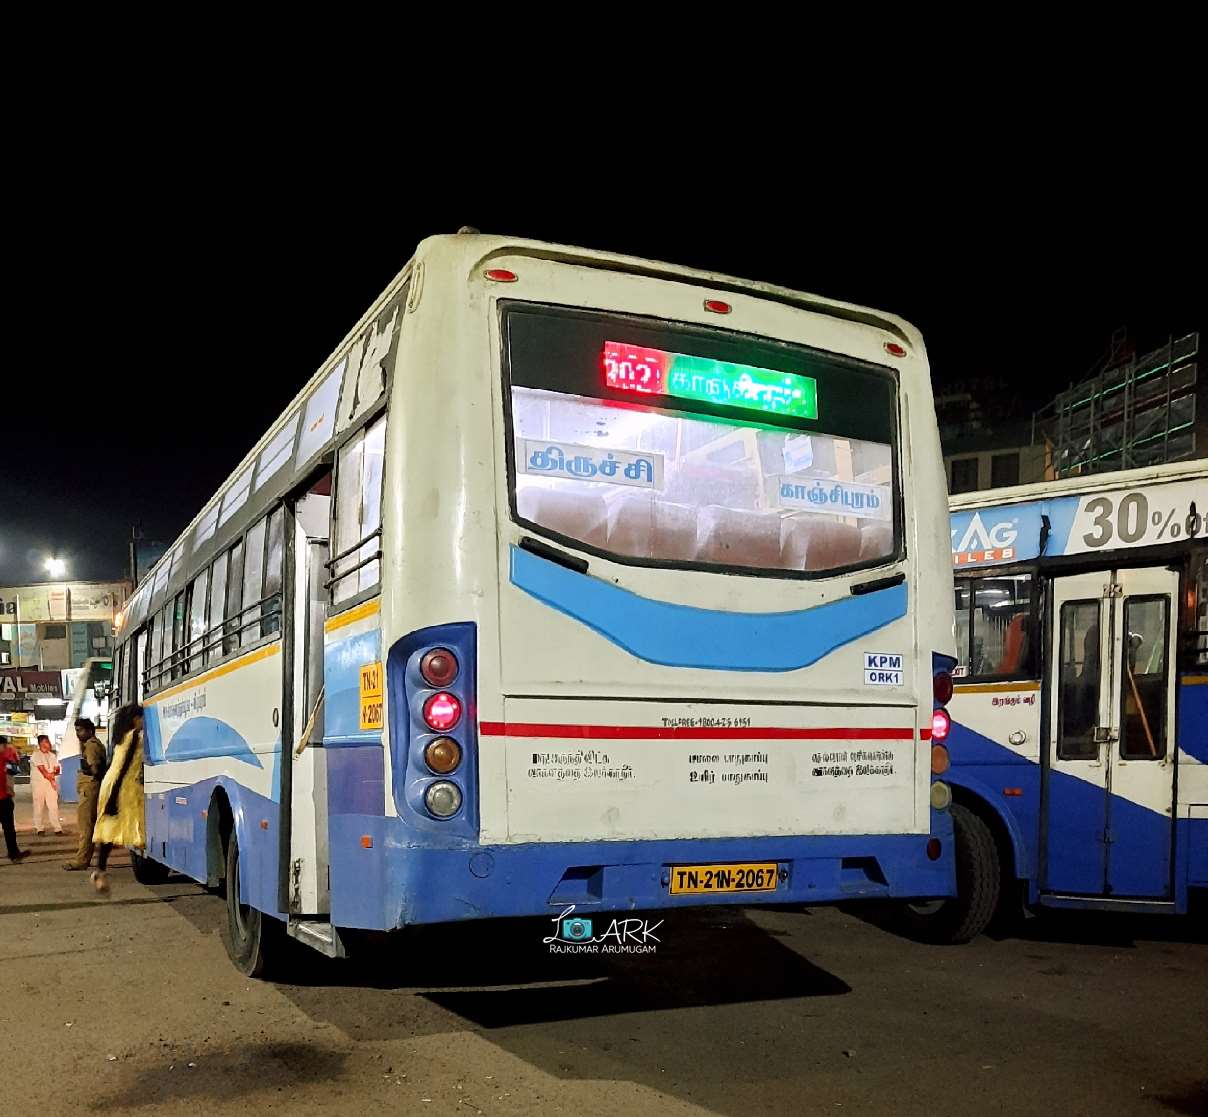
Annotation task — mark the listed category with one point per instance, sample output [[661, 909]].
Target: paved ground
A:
[[135, 1007]]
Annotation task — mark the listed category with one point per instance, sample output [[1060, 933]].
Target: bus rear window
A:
[[681, 446]]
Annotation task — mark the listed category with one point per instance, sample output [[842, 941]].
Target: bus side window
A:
[[253, 584], [213, 626], [1197, 623], [140, 662], [270, 611], [196, 632], [358, 513], [163, 647], [1144, 685], [996, 626], [1078, 681], [234, 602], [178, 635]]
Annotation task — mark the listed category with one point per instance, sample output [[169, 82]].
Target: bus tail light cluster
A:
[[432, 682], [433, 729], [941, 725]]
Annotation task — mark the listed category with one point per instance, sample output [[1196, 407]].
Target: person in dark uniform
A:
[[88, 782]]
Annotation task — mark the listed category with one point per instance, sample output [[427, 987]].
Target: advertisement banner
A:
[[87, 601], [18, 685], [1109, 520]]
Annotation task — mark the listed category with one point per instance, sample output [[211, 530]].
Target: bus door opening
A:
[[308, 855], [1110, 755]]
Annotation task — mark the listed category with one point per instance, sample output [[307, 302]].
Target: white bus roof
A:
[[473, 250], [1074, 486]]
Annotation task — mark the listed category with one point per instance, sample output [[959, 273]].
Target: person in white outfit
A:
[[44, 776]]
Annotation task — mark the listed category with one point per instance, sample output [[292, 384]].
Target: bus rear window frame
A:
[[890, 374]]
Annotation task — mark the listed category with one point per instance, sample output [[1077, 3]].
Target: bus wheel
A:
[[147, 871], [254, 941], [978, 884]]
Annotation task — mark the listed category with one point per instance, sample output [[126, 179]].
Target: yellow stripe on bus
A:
[[994, 688], [1194, 680], [218, 672], [353, 615]]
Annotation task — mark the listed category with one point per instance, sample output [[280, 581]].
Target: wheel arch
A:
[[976, 796], [224, 817]]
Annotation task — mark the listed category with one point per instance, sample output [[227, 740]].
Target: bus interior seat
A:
[[648, 528], [832, 545], [577, 515], [795, 534], [1014, 645], [738, 538], [876, 541]]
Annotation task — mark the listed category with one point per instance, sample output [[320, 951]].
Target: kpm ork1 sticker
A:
[[882, 669]]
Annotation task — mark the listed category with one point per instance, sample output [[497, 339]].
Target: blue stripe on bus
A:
[[686, 636], [1137, 861], [342, 663], [203, 737]]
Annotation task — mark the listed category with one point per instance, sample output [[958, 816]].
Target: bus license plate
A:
[[691, 879]]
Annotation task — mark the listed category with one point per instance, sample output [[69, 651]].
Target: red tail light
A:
[[442, 711], [941, 724], [941, 687], [438, 667], [502, 275]]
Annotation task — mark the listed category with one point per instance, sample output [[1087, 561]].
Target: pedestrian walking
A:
[[88, 782], [119, 819], [44, 773], [9, 755]]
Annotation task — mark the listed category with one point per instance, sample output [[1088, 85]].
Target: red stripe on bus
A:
[[705, 733]]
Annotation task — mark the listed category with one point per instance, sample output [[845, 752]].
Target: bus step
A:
[[318, 934]]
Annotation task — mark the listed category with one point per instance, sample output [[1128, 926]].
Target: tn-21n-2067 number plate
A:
[[690, 879]]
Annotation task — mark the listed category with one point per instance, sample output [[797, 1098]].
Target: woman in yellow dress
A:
[[119, 812]]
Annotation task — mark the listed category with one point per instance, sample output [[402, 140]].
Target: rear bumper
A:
[[378, 882]]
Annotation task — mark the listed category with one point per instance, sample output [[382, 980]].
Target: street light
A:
[[56, 567]]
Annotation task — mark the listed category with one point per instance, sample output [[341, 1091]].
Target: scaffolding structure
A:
[[1136, 411]]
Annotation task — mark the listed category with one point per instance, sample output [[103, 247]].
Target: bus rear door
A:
[[1110, 761]]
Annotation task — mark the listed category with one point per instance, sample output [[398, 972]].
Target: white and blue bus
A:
[[1079, 741], [569, 579]]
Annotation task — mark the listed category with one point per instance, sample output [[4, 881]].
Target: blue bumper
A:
[[379, 882]]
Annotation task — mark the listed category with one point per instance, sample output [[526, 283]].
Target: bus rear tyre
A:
[[255, 942], [978, 886], [147, 871]]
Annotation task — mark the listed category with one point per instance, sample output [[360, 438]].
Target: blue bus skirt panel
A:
[[381, 880], [994, 773], [178, 828]]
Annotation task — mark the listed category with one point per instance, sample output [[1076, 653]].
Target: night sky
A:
[[169, 311]]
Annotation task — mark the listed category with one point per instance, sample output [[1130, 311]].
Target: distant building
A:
[[987, 437], [1136, 411], [54, 626], [1132, 412]]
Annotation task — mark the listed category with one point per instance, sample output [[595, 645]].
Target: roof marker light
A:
[[894, 349], [717, 306], [502, 275]]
